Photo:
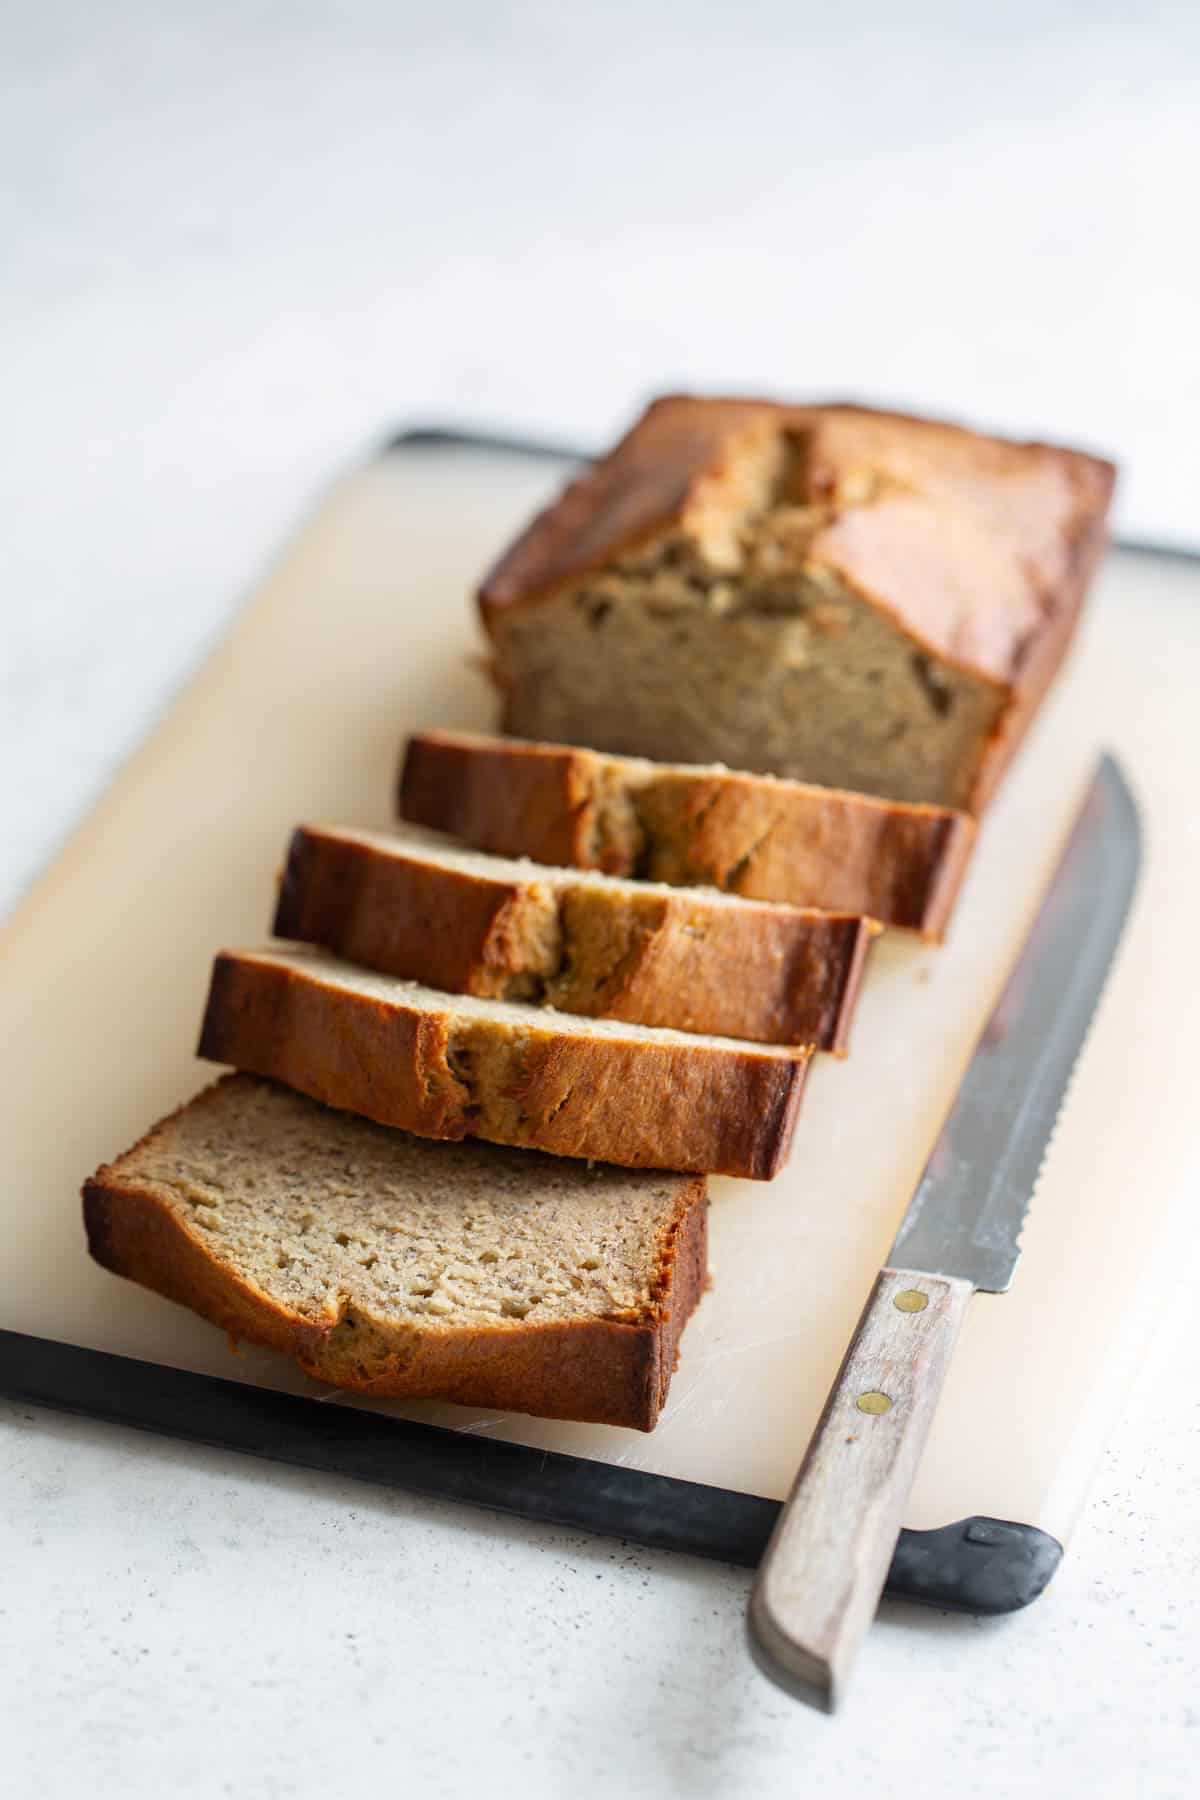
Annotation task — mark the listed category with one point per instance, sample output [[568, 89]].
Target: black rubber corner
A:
[[975, 1566], [979, 1565]]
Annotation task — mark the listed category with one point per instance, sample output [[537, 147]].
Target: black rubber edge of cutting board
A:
[[973, 1566]]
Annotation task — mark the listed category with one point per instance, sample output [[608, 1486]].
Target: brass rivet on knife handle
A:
[[873, 1402], [911, 1300]]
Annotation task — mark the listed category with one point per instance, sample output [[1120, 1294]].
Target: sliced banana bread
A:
[[821, 592], [453, 1066], [416, 904], [751, 835], [387, 1264]]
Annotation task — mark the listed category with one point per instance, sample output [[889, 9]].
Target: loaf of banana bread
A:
[[840, 596]]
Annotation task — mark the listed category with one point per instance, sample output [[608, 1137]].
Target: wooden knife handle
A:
[[823, 1571]]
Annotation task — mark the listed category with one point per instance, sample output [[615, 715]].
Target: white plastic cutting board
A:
[[364, 632]]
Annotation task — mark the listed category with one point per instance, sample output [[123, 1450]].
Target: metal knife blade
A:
[[966, 1215]]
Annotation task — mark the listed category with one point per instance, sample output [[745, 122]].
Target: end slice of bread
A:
[[398, 1267], [413, 903], [752, 835], [453, 1066]]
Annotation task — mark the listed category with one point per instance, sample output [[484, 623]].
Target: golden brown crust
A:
[[510, 798], [684, 1281], [1043, 658], [385, 912], [978, 548], [778, 975], [642, 488], [606, 1371], [658, 1105], [780, 841]]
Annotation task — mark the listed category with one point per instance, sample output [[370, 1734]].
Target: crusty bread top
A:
[[421, 843], [454, 1066], [414, 904], [756, 836], [967, 542], [504, 1018]]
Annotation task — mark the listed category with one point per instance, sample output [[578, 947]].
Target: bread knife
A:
[[824, 1569]]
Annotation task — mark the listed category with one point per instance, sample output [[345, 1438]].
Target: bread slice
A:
[[745, 834], [453, 1066], [826, 593], [394, 1266], [414, 903]]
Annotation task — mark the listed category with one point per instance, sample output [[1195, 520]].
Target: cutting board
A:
[[365, 631]]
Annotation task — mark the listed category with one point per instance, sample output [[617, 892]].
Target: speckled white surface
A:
[[175, 1621], [241, 242]]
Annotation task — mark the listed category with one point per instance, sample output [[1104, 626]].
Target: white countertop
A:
[[177, 1621], [242, 243]]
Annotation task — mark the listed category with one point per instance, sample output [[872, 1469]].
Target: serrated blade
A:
[[966, 1216]]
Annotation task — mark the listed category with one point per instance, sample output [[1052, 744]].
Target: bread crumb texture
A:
[[334, 1218]]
